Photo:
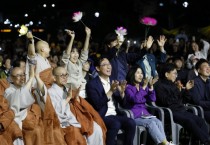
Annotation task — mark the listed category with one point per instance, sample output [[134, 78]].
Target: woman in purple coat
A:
[[138, 92]]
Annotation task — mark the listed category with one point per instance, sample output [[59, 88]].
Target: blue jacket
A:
[[97, 97], [152, 61], [123, 58]]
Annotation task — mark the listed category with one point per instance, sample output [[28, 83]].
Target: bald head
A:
[[16, 70], [42, 47], [41, 44], [58, 69], [60, 76]]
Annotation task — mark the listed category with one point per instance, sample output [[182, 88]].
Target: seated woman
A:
[[137, 94]]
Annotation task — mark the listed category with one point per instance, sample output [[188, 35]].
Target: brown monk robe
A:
[[33, 129], [9, 130], [72, 135], [53, 133], [86, 114]]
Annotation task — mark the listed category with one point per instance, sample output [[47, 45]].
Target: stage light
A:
[[161, 4], [31, 23], [44, 5], [97, 14], [53, 5], [185, 4], [26, 15]]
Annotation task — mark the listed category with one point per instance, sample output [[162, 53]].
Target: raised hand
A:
[[161, 42], [70, 33], [29, 35], [121, 88], [114, 85], [152, 80], [88, 31], [122, 85], [179, 85], [190, 84], [145, 82], [69, 95]]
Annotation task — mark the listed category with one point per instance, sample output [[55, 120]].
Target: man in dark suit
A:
[[103, 93], [200, 93]]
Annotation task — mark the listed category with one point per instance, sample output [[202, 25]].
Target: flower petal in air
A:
[[77, 16], [23, 30]]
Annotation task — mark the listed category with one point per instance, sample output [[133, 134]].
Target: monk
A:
[[37, 54], [81, 124], [9, 130], [22, 102]]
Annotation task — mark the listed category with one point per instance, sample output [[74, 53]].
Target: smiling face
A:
[[86, 66], [204, 70], [18, 77], [60, 76], [172, 75], [138, 76], [195, 47], [74, 55], [105, 68]]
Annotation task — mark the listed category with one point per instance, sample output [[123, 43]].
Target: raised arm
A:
[[31, 47], [31, 77], [40, 84], [69, 47], [161, 43], [87, 39]]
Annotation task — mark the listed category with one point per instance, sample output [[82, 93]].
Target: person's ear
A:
[[42, 49], [97, 68], [53, 77], [166, 74]]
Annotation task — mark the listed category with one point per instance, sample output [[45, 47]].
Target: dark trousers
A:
[[193, 124], [114, 124], [207, 115]]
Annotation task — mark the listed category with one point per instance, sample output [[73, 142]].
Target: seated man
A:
[[200, 93], [80, 124], [102, 94], [169, 95], [27, 113]]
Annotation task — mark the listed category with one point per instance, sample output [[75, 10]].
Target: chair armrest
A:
[[200, 110], [127, 112], [158, 109], [192, 108], [165, 109]]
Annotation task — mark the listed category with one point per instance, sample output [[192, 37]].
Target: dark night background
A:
[[113, 13]]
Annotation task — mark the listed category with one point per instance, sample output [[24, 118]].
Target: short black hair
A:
[[98, 60], [165, 68], [130, 77], [110, 37], [200, 62], [17, 62]]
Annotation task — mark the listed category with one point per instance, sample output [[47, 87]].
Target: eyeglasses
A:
[[19, 75], [105, 64], [62, 75]]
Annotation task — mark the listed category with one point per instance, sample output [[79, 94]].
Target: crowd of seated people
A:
[[69, 93]]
